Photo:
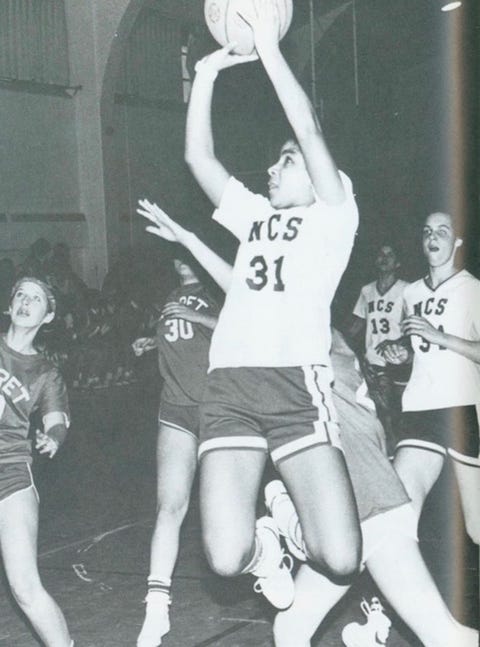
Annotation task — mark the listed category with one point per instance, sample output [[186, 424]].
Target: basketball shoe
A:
[[273, 567], [157, 620], [283, 512]]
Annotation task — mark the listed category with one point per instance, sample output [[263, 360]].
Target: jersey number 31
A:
[[263, 274]]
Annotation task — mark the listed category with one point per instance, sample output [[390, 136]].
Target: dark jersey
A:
[[28, 383], [183, 347]]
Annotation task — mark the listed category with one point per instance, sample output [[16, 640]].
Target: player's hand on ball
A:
[[414, 325], [222, 58], [45, 444], [163, 226], [264, 20]]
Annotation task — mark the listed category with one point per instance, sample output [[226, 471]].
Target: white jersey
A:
[[288, 266], [382, 314], [441, 378]]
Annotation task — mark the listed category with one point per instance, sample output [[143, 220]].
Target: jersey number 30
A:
[[178, 329], [263, 274]]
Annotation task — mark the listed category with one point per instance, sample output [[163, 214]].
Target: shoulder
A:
[[235, 191], [414, 288]]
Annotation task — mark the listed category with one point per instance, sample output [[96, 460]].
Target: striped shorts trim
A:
[[15, 478], [284, 411]]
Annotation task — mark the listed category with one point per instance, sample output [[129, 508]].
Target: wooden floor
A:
[[97, 506]]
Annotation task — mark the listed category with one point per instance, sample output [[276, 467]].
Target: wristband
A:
[[205, 70], [57, 433]]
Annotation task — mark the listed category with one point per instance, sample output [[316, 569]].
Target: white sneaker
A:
[[374, 632], [273, 570], [275, 492], [157, 620]]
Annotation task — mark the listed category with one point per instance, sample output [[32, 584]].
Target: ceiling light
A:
[[450, 6]]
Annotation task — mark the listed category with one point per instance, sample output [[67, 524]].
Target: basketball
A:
[[226, 25]]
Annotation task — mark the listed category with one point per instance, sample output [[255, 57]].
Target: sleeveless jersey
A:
[[382, 314], [287, 269], [441, 378], [28, 383], [183, 347]]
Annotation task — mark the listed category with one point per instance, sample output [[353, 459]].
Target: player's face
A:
[[289, 184], [183, 270], [439, 239], [386, 260], [29, 306]]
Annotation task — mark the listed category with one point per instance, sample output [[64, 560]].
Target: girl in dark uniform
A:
[[28, 383], [183, 340]]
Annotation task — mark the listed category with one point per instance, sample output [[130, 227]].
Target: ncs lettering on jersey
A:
[[382, 314], [287, 269], [442, 378]]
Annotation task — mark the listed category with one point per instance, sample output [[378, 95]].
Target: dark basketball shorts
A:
[[280, 410], [384, 387], [15, 477], [453, 430], [185, 418]]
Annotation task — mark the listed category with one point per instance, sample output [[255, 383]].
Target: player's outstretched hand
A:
[[45, 444], [414, 325], [177, 310], [264, 21], [163, 226], [143, 345], [222, 58]]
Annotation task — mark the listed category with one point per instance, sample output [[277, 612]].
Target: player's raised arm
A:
[[164, 227], [264, 21], [199, 148]]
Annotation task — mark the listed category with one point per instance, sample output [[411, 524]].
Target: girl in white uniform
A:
[[442, 396], [268, 389]]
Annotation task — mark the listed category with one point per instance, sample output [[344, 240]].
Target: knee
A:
[[172, 509], [341, 562], [25, 590], [226, 559]]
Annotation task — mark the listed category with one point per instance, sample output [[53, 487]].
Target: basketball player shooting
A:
[[268, 388]]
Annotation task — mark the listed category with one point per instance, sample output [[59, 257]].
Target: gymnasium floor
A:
[[96, 520]]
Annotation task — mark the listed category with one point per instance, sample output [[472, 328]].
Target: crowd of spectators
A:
[[91, 336]]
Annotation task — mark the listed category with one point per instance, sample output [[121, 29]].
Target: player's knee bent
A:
[[226, 560], [339, 561]]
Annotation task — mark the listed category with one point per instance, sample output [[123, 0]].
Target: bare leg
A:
[[468, 477], [176, 466], [318, 483], [401, 574], [418, 470], [229, 484], [18, 542], [315, 595]]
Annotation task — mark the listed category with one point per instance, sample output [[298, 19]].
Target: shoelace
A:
[[287, 561]]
